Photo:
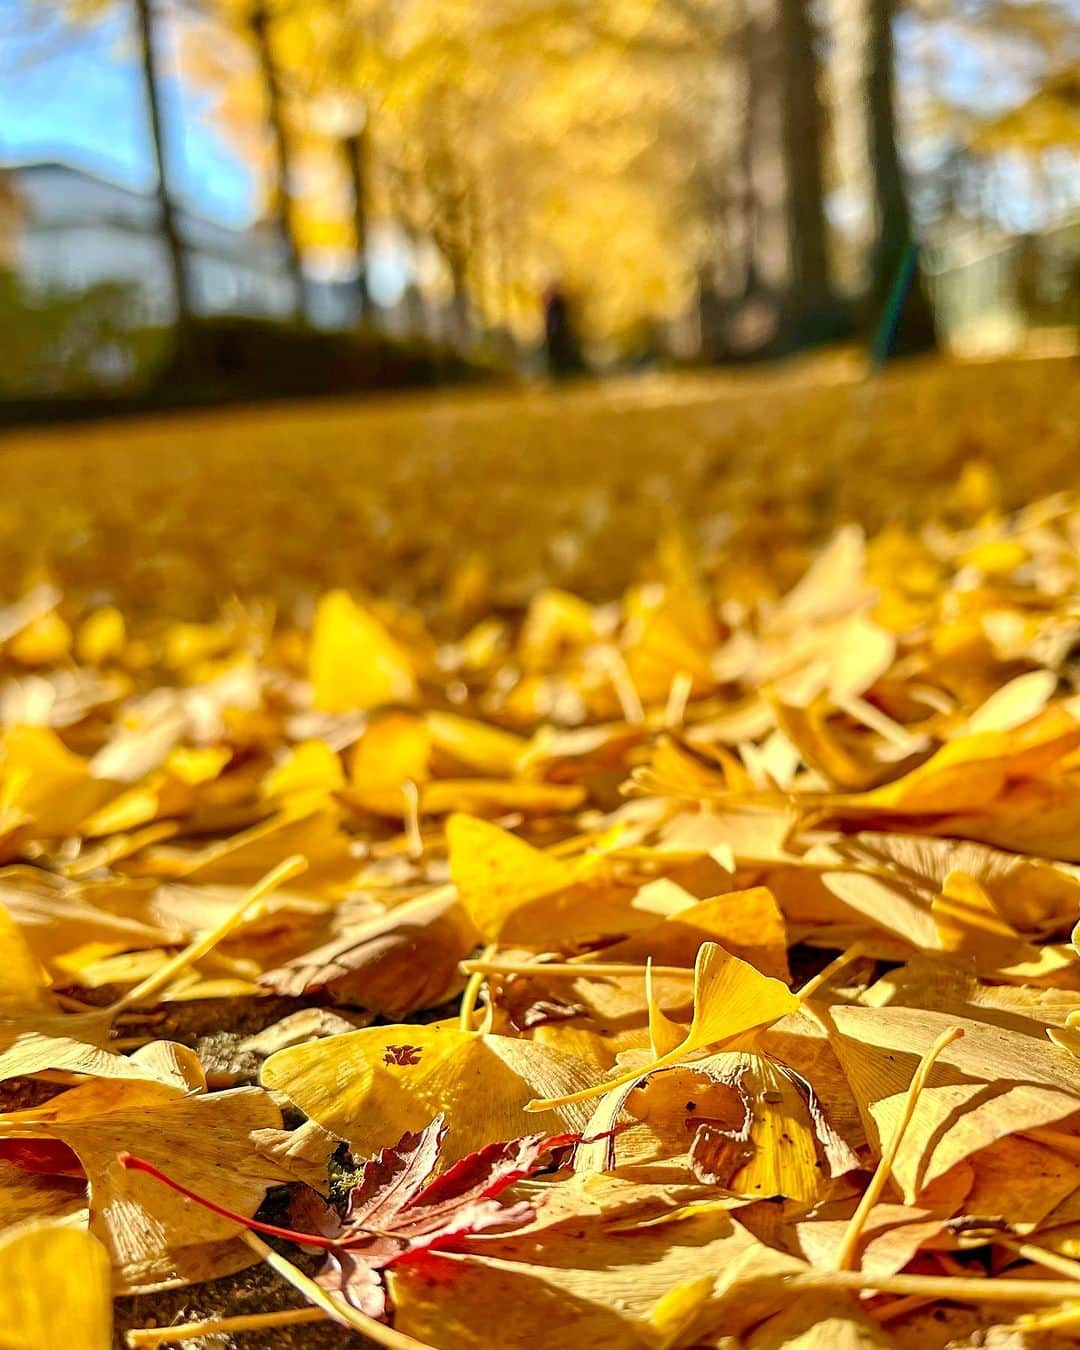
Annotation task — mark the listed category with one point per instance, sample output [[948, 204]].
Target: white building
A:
[[65, 230]]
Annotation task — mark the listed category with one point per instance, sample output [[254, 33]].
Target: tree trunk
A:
[[749, 212], [801, 130], [357, 159], [283, 212], [170, 229], [461, 307], [915, 326]]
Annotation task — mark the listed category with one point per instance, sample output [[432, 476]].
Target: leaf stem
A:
[[375, 1331], [135, 1164], [472, 991], [195, 951], [848, 1250], [823, 976], [214, 1326], [568, 969], [413, 834], [962, 1290], [1031, 1252]]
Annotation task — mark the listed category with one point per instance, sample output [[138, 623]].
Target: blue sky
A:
[[75, 95]]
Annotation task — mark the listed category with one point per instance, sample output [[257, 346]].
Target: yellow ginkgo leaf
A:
[[562, 1271], [487, 749], [730, 999], [555, 620], [964, 775], [193, 767], [101, 636], [311, 769], [516, 893], [991, 1083], [43, 642], [968, 923], [748, 924], [353, 661], [374, 1084], [24, 984], [498, 796], [204, 1140], [1014, 703], [664, 1032], [45, 785], [394, 749], [55, 1291]]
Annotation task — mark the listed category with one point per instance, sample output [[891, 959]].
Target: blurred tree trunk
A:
[[461, 305], [749, 212], [356, 149], [810, 298], [915, 331], [170, 229], [283, 212]]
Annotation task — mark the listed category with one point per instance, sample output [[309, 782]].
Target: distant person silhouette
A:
[[560, 335]]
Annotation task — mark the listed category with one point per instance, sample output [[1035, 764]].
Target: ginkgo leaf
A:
[[964, 775], [483, 748], [739, 1121], [748, 924], [857, 763], [391, 963], [353, 660], [989, 1084], [498, 796], [598, 1287], [555, 619], [35, 1034], [311, 768], [928, 982], [969, 924], [239, 860], [830, 1321], [55, 1290], [383, 1081], [24, 984], [58, 918], [44, 786], [395, 748], [1019, 1177], [152, 1236], [730, 999], [892, 1236], [1014, 703], [516, 893]]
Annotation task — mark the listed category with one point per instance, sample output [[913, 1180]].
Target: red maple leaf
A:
[[397, 1211], [49, 1156]]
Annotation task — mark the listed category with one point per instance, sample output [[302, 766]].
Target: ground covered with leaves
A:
[[401, 942]]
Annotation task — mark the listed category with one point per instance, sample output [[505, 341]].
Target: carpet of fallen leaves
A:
[[634, 854]]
